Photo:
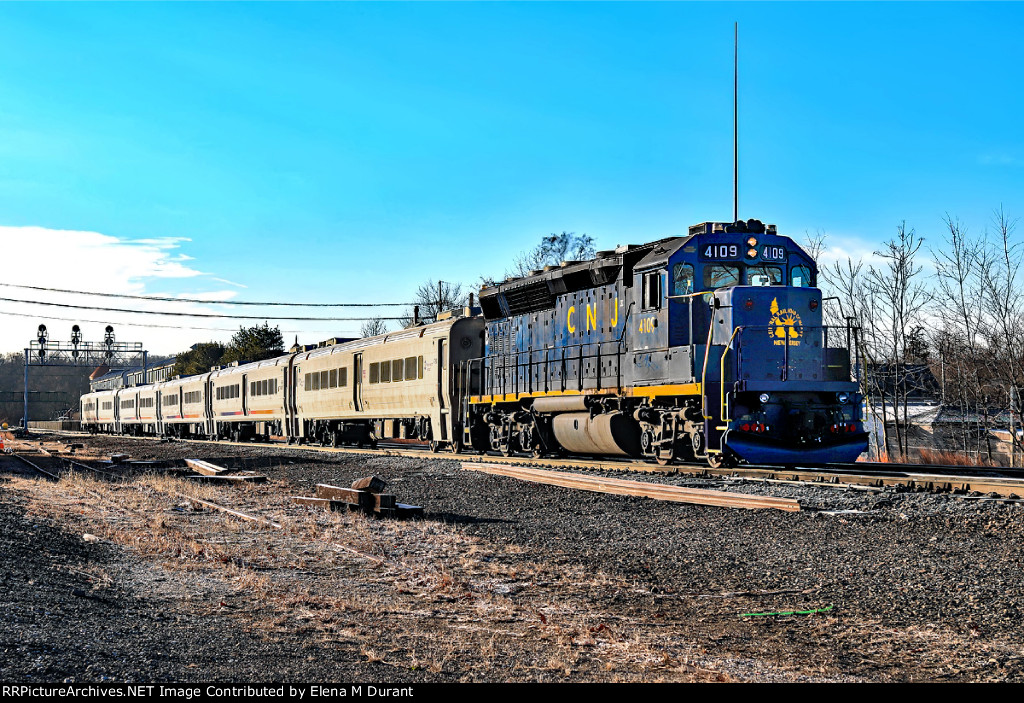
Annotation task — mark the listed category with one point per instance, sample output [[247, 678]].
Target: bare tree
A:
[[960, 267], [814, 244], [848, 282], [553, 250], [899, 298], [433, 297], [373, 327], [1003, 314]]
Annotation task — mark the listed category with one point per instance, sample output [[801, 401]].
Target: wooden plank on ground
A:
[[384, 501], [373, 484], [229, 511], [204, 467], [364, 499], [657, 491], [202, 478], [325, 503]]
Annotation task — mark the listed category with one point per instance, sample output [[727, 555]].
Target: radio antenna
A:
[[735, 123]]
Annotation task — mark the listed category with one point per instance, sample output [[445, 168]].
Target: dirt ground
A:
[[122, 578]]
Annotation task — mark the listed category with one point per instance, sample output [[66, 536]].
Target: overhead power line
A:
[[195, 314], [169, 299], [143, 325]]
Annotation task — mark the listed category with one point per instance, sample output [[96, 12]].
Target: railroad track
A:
[[995, 482]]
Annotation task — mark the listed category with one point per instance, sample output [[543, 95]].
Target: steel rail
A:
[[35, 466], [873, 474]]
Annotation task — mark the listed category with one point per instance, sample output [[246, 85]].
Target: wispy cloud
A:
[[230, 283], [96, 262], [999, 159]]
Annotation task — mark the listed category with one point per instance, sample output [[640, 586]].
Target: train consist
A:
[[709, 346]]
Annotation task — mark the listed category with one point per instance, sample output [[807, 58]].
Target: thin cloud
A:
[[92, 261], [1001, 159]]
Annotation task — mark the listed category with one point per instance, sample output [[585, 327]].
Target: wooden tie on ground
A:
[[657, 491], [211, 473], [364, 495]]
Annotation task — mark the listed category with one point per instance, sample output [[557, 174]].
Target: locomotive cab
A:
[[784, 389]]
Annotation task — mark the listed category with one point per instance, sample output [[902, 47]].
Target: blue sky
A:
[[349, 152]]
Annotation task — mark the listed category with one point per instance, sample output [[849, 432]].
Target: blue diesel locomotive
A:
[[709, 346]]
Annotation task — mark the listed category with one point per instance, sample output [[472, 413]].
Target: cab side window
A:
[[652, 290], [682, 279]]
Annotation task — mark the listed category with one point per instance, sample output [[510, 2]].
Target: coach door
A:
[[211, 421], [357, 382], [291, 380], [442, 390]]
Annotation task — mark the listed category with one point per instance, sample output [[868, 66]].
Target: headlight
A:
[[764, 397], [843, 398]]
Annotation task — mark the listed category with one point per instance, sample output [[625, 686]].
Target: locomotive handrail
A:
[[488, 369], [704, 373], [725, 351]]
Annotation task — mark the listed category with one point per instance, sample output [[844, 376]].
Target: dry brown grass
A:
[[929, 456], [418, 595]]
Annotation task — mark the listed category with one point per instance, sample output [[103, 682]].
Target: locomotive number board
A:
[[735, 252]]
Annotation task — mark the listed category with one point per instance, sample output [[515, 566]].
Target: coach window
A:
[[682, 279], [801, 277], [374, 373], [385, 372], [410, 368], [764, 276], [721, 275], [325, 382], [652, 290], [342, 378], [397, 370]]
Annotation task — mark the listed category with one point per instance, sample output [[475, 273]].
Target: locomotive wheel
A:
[[716, 461], [510, 444], [664, 455]]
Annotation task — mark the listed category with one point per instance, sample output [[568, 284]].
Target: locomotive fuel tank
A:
[[615, 434]]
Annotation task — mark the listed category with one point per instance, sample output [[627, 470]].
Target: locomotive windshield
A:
[[764, 276], [720, 275], [801, 277]]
